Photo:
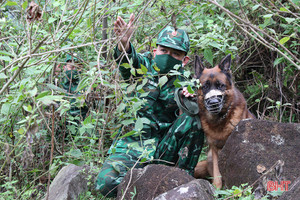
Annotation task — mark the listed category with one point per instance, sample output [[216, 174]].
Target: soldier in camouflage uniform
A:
[[169, 136], [69, 83]]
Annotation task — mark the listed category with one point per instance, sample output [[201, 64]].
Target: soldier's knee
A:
[[107, 182]]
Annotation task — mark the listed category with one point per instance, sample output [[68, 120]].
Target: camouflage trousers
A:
[[180, 147]]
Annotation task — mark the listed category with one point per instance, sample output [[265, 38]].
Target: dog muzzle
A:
[[214, 101]]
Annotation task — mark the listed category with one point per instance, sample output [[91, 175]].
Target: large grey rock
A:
[[149, 182], [255, 146], [69, 183], [293, 191], [195, 190]]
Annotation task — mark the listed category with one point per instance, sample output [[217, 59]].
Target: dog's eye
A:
[[205, 86], [221, 86]]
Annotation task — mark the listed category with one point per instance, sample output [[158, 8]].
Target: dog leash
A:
[[188, 105]]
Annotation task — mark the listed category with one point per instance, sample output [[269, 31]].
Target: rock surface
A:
[[69, 183], [149, 182], [293, 191], [198, 189], [257, 145]]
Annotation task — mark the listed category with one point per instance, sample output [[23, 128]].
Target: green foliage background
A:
[[262, 37]]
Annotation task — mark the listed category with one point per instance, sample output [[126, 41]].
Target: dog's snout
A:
[[214, 104], [214, 100]]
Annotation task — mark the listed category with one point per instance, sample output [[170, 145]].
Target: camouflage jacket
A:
[[161, 109], [69, 83]]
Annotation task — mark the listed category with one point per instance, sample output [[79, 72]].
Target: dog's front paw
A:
[[217, 182]]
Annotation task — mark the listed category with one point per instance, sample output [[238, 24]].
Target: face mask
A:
[[165, 62]]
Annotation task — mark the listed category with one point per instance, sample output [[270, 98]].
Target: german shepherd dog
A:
[[222, 107]]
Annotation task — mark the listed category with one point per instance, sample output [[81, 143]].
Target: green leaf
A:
[[3, 76], [5, 53], [42, 94], [268, 16], [162, 80], [24, 5], [89, 22], [222, 192], [34, 170], [144, 69], [278, 60], [11, 3], [145, 120], [56, 3], [275, 193], [145, 94], [132, 71], [126, 65], [176, 83], [128, 134], [208, 56], [190, 90], [27, 108], [47, 100], [284, 40], [237, 191], [5, 58], [113, 150], [131, 88], [76, 153], [83, 83], [139, 71], [156, 68], [21, 131], [14, 68], [283, 9], [139, 124], [87, 120], [121, 107], [255, 7], [54, 87], [289, 20], [187, 74], [127, 122], [177, 66], [5, 108], [33, 92], [51, 20], [140, 86]]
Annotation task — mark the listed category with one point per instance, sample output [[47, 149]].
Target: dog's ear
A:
[[199, 67], [225, 64]]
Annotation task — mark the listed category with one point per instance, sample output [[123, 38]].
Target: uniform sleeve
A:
[[137, 60]]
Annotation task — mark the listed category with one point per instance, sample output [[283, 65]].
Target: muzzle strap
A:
[[214, 104]]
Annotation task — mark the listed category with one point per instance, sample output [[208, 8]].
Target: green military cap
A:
[[73, 56], [176, 39]]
